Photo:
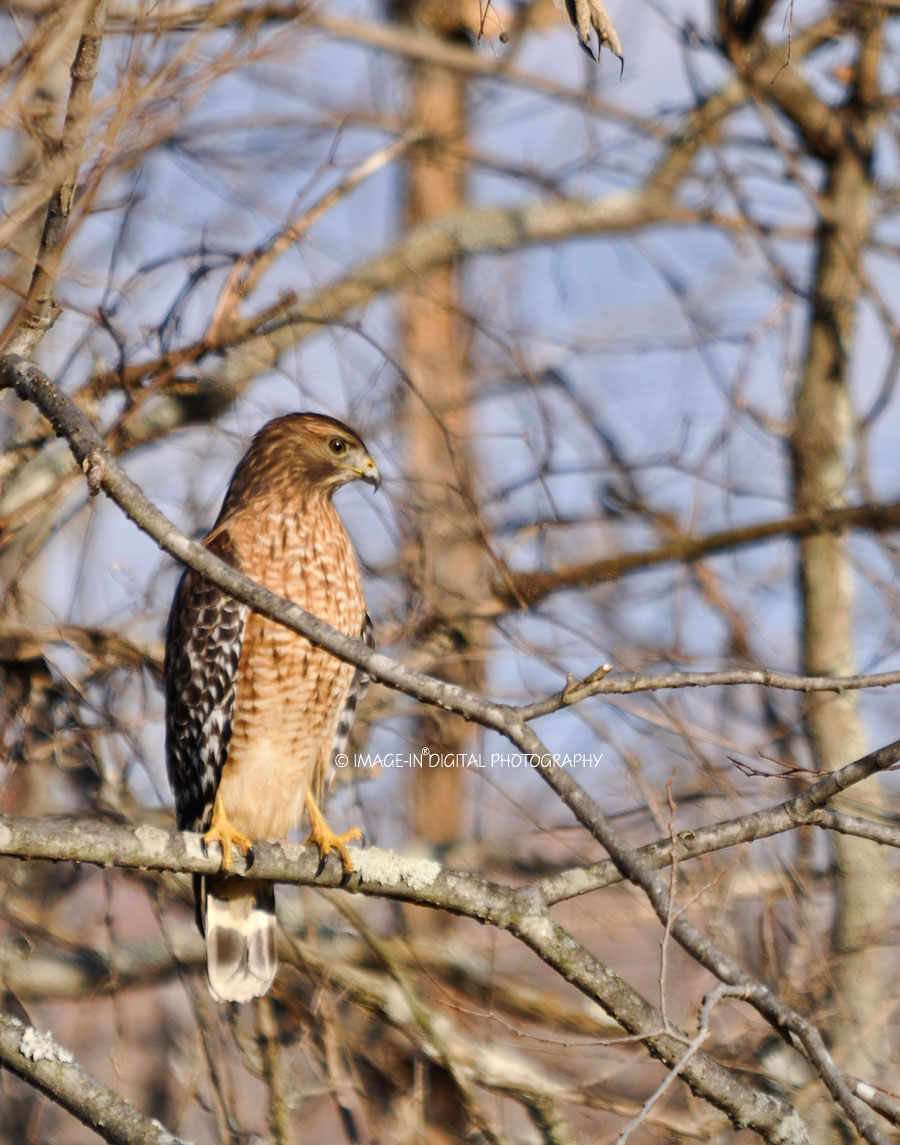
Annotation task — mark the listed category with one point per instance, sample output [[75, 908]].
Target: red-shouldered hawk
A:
[[255, 712]]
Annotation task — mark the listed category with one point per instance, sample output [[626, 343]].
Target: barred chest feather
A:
[[290, 694]]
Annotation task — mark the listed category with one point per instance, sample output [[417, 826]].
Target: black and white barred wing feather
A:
[[359, 685], [203, 650]]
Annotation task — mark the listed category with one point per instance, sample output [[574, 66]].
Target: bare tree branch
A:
[[607, 685], [528, 588], [37, 1059]]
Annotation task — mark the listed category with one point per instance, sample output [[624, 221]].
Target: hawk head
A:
[[301, 454]]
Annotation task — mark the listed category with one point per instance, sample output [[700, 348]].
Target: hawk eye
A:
[[337, 445]]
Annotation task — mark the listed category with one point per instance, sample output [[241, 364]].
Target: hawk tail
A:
[[239, 921]]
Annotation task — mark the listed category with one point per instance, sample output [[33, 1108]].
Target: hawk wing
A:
[[203, 648], [359, 685]]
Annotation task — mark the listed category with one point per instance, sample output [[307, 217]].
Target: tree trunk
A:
[[444, 556], [821, 442]]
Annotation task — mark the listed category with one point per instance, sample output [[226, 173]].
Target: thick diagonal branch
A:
[[36, 1058]]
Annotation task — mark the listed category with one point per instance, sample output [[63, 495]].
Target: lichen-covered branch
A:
[[522, 911], [38, 1059], [383, 874]]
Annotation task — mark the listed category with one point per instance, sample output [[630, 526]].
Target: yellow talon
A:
[[325, 839], [222, 832]]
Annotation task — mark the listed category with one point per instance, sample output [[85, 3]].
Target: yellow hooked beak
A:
[[367, 472]]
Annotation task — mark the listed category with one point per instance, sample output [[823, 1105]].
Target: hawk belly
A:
[[290, 694], [285, 718]]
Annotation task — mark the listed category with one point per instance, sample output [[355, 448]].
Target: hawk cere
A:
[[255, 712]]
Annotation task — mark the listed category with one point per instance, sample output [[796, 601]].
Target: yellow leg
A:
[[222, 832], [325, 839]]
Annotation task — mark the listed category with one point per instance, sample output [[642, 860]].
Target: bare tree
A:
[[626, 350]]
